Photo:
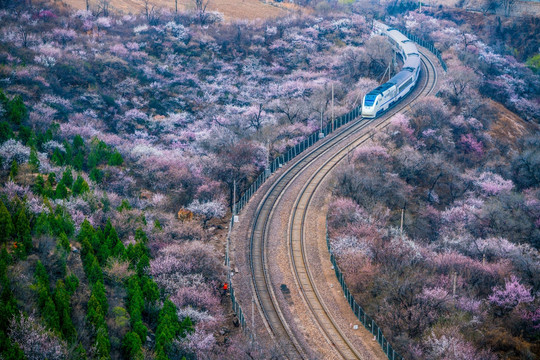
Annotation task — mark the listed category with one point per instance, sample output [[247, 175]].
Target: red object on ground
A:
[[225, 286]]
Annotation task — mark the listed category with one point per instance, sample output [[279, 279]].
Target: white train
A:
[[384, 96]]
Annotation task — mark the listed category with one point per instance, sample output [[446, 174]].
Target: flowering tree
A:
[[208, 210], [512, 294], [34, 340]]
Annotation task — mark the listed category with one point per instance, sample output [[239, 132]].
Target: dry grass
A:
[[509, 127], [232, 9]]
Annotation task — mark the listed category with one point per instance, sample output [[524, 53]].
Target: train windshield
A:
[[369, 100]]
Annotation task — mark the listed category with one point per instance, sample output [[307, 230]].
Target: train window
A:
[[405, 84], [369, 100]]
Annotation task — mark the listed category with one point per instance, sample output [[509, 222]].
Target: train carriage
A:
[[381, 98]]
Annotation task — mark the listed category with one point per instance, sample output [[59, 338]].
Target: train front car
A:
[[383, 97], [369, 105]]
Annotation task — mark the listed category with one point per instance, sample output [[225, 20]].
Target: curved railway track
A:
[[341, 142]]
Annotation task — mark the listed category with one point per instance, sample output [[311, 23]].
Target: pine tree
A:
[[95, 274], [16, 110], [72, 283], [39, 185], [119, 250], [51, 179], [150, 290], [140, 235], [186, 327], [80, 186], [168, 328], [22, 231], [132, 346], [112, 237], [103, 252], [63, 308], [5, 131], [5, 260], [107, 229], [34, 160], [64, 241], [14, 170], [98, 289], [102, 344], [69, 150], [87, 231], [143, 263], [96, 175], [58, 157], [50, 315], [42, 225], [140, 329], [94, 313], [93, 160], [116, 159], [6, 224], [67, 178], [135, 300], [78, 143], [61, 191], [124, 205], [78, 161], [42, 284]]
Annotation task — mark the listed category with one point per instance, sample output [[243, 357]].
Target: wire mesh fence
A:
[[294, 151], [237, 309], [359, 312]]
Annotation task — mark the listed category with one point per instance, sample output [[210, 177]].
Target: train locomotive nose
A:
[[368, 112]]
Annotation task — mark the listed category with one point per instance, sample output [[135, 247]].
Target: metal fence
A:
[[294, 151], [237, 309], [361, 315], [281, 160]]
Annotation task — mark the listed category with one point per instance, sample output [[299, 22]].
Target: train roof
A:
[[396, 35], [409, 47], [381, 88], [411, 59]]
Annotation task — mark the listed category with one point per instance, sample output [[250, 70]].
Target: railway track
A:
[[336, 147]]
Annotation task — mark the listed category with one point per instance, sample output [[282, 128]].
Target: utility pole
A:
[[268, 170], [253, 314], [332, 106], [321, 134], [234, 199], [401, 226]]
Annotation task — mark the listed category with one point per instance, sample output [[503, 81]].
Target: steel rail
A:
[[267, 303], [297, 243]]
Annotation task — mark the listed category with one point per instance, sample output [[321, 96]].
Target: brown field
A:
[[231, 9]]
